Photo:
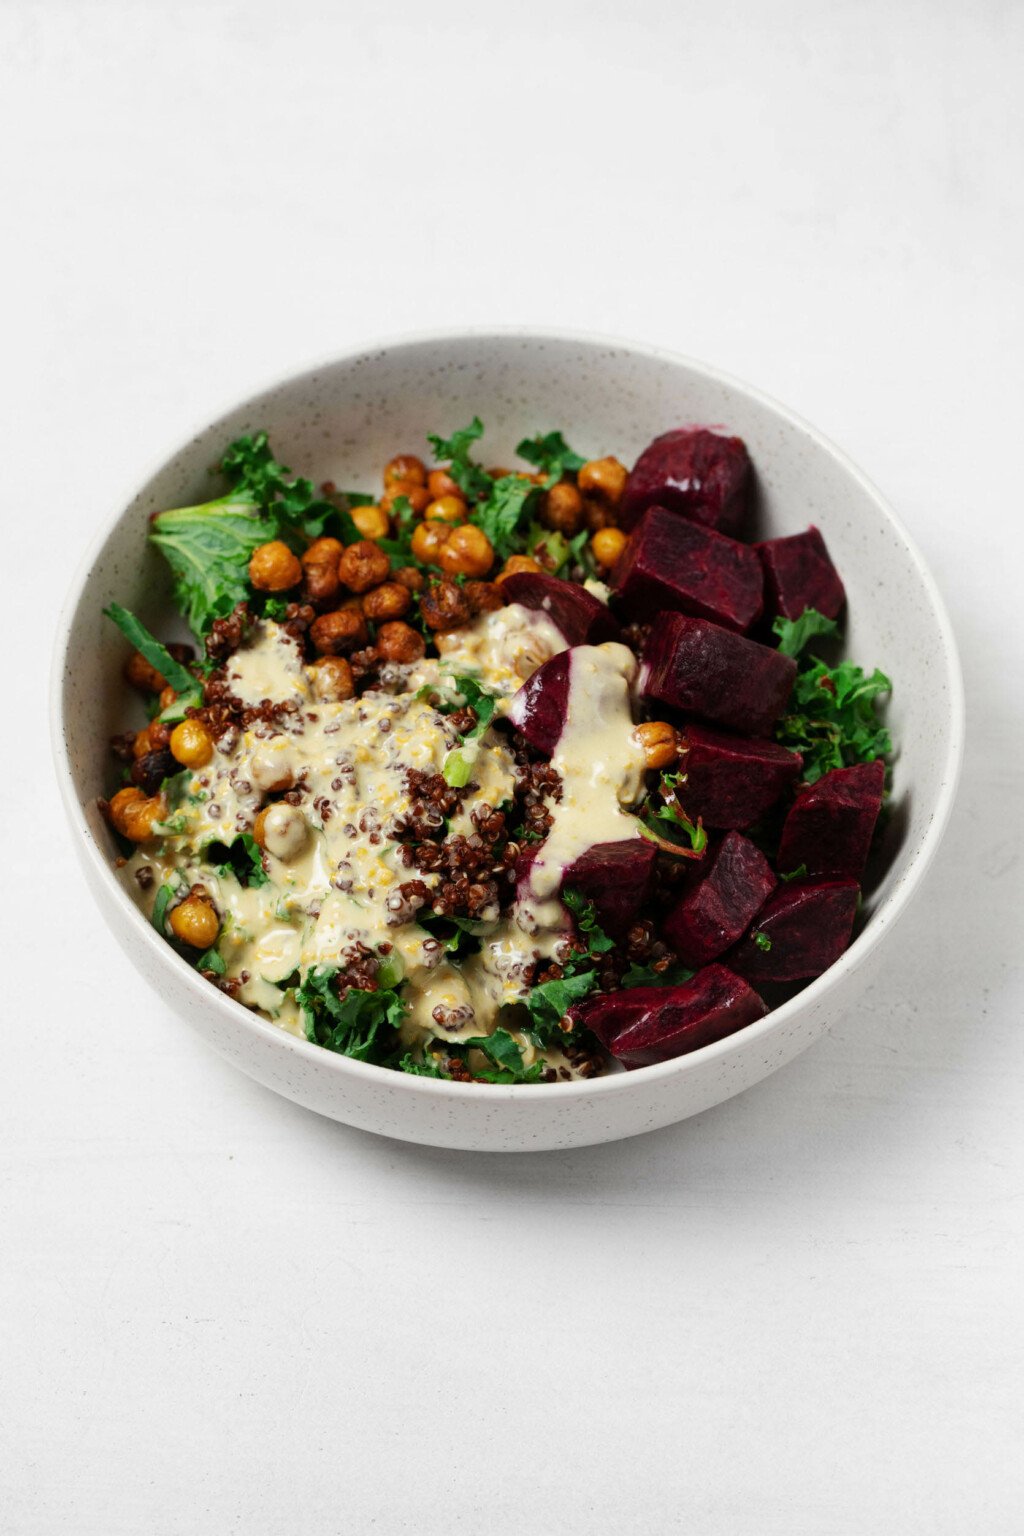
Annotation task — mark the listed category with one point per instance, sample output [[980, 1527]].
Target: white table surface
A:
[[798, 1313]]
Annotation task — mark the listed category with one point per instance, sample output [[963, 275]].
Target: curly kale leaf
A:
[[359, 1024], [833, 718], [796, 634]]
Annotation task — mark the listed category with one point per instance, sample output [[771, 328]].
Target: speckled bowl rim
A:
[[890, 909]]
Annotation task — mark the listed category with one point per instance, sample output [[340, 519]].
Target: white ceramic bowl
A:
[[342, 421]]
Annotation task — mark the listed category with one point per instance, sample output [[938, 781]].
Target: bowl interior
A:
[[343, 421]]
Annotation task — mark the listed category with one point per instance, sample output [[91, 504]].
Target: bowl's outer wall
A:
[[342, 422]]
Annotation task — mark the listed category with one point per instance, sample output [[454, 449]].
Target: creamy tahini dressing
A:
[[330, 863], [601, 764]]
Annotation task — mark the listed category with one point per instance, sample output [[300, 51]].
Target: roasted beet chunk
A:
[[693, 472], [651, 1024], [829, 829], [708, 671], [539, 708], [672, 563], [799, 575], [582, 617], [801, 931], [616, 878], [732, 780], [719, 908]]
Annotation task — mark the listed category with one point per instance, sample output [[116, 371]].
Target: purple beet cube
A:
[[672, 563], [582, 617], [650, 1024], [539, 709], [801, 931], [718, 909], [694, 473], [829, 827], [710, 672], [799, 574], [732, 780], [616, 877]]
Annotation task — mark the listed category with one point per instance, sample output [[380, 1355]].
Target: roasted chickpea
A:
[[195, 922], [372, 522], [469, 552], [417, 496], [516, 565], [342, 630], [603, 480], [400, 642], [562, 509], [270, 766], [273, 567], [119, 804], [363, 565], [133, 813], [440, 483], [320, 569], [142, 675], [496, 472], [428, 540], [167, 698], [484, 596], [388, 601], [333, 679], [447, 509], [660, 743], [412, 579], [405, 466], [192, 744], [607, 546], [281, 829], [325, 551], [444, 605], [597, 514]]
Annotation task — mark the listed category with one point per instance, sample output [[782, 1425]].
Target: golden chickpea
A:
[[281, 829], [405, 466], [597, 514], [192, 744], [498, 473], [410, 578], [142, 675], [400, 642], [119, 804], [320, 569], [363, 565], [167, 698], [273, 567], [428, 540], [144, 741], [270, 766], [325, 551], [607, 546], [440, 483], [417, 496], [373, 522], [604, 480], [343, 630], [562, 509], [444, 605], [333, 679], [134, 814], [195, 922], [447, 509], [484, 596], [660, 743], [388, 601], [469, 552], [517, 565]]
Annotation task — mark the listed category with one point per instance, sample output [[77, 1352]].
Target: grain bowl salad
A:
[[501, 775]]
